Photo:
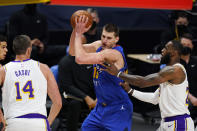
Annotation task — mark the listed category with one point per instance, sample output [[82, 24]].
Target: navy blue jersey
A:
[[107, 86]]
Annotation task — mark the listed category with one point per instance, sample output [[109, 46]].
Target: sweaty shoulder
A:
[[180, 73], [111, 53], [174, 74], [44, 69]]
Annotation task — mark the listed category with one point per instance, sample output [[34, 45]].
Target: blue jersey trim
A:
[[22, 60]]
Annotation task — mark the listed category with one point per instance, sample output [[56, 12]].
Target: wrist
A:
[[130, 91], [78, 34], [118, 75]]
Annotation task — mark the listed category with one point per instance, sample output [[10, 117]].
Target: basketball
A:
[[79, 13]]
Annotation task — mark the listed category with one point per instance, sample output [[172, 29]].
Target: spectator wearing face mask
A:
[[93, 34], [178, 27], [190, 63]]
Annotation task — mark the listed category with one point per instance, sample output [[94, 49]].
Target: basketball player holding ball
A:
[[113, 111]]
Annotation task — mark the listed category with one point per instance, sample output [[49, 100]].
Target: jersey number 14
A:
[[27, 88]]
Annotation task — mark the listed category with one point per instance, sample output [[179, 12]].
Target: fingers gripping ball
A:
[[79, 13]]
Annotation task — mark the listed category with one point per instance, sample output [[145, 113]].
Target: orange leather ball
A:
[[79, 13]]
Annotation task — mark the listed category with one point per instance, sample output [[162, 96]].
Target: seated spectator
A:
[[76, 80]]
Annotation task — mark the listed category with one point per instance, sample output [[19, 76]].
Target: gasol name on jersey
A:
[[22, 73]]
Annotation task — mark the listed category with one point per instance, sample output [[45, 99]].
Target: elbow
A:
[[195, 103], [79, 60], [59, 104]]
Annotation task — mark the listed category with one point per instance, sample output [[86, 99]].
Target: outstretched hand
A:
[[91, 103], [125, 86], [110, 67], [80, 26]]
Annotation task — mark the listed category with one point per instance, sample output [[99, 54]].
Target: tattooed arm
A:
[[173, 74]]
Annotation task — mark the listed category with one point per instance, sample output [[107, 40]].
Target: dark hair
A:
[[112, 28], [20, 44], [187, 36], [3, 38], [177, 46], [92, 10], [180, 14]]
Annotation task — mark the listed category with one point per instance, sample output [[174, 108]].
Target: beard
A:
[[186, 51], [165, 59]]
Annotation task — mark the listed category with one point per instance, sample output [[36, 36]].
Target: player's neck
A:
[[21, 57], [174, 61]]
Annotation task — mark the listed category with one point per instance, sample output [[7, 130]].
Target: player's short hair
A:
[[3, 38], [177, 46], [112, 28], [21, 43]]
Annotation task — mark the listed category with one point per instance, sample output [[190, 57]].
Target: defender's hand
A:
[[110, 68], [125, 86], [90, 102]]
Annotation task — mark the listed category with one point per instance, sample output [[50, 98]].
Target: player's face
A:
[[166, 53], [108, 39], [3, 50]]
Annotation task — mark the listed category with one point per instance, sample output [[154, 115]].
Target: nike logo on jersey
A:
[[88, 67], [122, 107]]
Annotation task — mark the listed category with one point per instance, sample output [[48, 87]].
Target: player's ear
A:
[[29, 50], [117, 39]]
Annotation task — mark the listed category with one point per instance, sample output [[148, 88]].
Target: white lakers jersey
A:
[[174, 97], [24, 90]]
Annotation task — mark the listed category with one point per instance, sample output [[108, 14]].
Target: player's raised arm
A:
[[72, 38]]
